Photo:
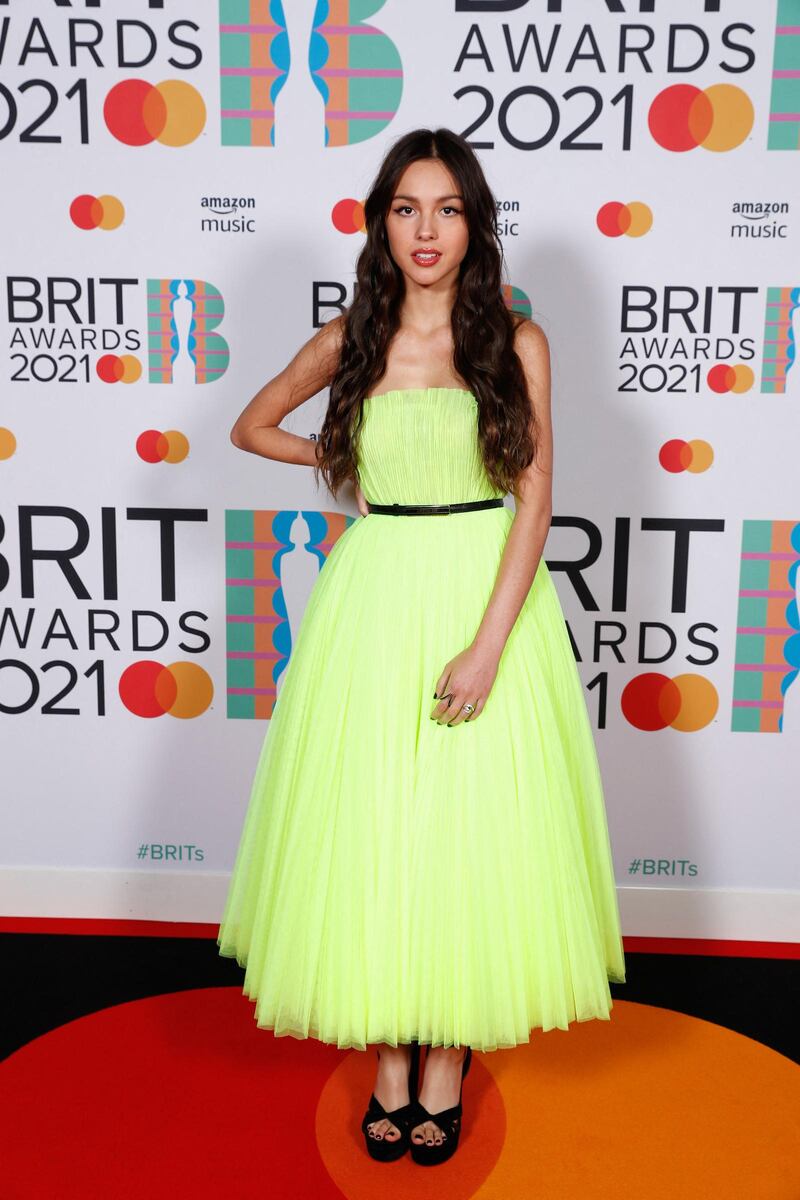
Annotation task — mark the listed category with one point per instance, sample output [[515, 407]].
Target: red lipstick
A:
[[426, 258]]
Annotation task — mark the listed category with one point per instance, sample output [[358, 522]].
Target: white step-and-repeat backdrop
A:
[[181, 206]]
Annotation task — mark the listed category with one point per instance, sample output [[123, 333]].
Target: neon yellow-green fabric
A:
[[398, 879]]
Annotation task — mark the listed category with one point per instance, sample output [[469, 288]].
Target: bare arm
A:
[[312, 368], [534, 503]]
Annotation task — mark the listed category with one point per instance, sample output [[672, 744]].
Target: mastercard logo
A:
[[677, 455], [727, 377], [149, 689], [616, 218], [97, 212], [654, 701], [348, 216], [153, 446], [137, 112], [8, 443], [718, 118], [118, 368]]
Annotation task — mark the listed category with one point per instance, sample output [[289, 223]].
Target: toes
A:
[[381, 1130], [428, 1133], [433, 1135]]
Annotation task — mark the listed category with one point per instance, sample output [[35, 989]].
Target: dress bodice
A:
[[420, 446]]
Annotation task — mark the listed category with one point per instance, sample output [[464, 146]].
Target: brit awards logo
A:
[[355, 67], [67, 330]]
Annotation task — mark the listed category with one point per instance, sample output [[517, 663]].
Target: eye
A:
[[452, 209], [403, 206]]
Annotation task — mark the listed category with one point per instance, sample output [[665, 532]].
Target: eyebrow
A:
[[452, 196]]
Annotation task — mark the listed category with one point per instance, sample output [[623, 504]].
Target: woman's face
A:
[[425, 225]]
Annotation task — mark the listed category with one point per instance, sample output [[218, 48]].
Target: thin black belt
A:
[[423, 510]]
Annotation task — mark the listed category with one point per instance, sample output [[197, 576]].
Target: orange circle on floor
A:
[[667, 1105]]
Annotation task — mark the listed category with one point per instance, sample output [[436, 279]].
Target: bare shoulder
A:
[[313, 366], [532, 346], [317, 360], [328, 339], [533, 350]]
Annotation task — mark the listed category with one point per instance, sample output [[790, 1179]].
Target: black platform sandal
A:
[[385, 1149], [448, 1120]]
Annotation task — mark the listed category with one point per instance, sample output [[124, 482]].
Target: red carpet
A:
[[180, 1095]]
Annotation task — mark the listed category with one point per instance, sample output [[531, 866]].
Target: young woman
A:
[[395, 885]]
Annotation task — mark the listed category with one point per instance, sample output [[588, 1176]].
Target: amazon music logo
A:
[[227, 214], [759, 219]]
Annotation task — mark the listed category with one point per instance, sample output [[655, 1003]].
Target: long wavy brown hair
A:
[[483, 326]]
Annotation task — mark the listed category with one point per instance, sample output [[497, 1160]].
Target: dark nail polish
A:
[[435, 696]]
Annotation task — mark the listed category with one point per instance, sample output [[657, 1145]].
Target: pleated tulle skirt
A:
[[402, 880]]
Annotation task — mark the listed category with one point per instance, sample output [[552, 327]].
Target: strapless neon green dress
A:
[[401, 880]]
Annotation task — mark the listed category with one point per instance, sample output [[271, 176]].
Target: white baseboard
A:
[[728, 914]]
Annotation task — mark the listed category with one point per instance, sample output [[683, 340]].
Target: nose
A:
[[426, 227], [427, 222]]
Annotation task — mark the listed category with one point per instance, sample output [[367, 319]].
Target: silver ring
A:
[[470, 708]]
